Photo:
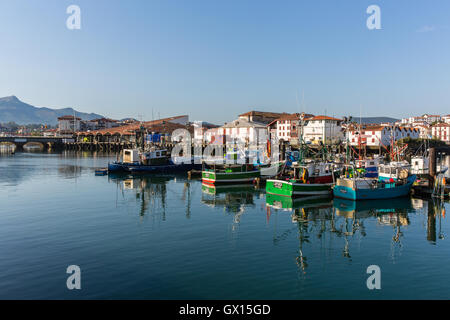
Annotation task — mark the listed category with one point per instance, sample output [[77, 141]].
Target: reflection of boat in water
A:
[[393, 181], [387, 211], [213, 189], [150, 191], [288, 204], [345, 206], [232, 197]]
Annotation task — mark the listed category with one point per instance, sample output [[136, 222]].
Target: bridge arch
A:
[[34, 146]]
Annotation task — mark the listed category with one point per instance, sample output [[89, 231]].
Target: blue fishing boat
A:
[[155, 161], [393, 181]]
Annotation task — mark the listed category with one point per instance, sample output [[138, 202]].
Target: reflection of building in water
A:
[[338, 219], [151, 192], [232, 198], [436, 209], [418, 203], [70, 171]]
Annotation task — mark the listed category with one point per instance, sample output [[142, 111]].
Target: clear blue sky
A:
[[215, 59]]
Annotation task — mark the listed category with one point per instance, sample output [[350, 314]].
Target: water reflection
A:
[[151, 192], [234, 199], [343, 219]]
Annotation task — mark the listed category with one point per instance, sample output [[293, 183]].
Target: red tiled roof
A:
[[161, 125], [442, 124], [324, 118], [262, 113], [68, 118]]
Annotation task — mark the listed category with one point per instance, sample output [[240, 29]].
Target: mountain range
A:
[[14, 110]]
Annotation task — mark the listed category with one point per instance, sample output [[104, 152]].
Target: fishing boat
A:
[[394, 180], [315, 178], [420, 166], [229, 173], [153, 161]]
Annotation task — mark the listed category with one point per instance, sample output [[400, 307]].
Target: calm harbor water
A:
[[168, 238]]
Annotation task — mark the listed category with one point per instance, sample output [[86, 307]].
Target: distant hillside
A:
[[374, 119], [12, 109]]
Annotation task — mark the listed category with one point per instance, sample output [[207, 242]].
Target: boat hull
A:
[[349, 193], [138, 168], [293, 189], [212, 177]]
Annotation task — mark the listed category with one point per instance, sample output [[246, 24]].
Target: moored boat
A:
[[393, 181], [153, 161], [229, 173], [304, 180]]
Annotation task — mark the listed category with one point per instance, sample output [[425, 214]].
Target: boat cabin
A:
[[155, 157], [130, 156], [394, 170], [419, 165]]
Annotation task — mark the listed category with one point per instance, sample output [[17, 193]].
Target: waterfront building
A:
[[441, 131], [323, 129], [101, 123], [287, 127], [260, 116], [204, 132], [244, 131], [127, 133], [446, 119], [424, 131], [431, 118], [377, 135], [426, 118], [69, 124]]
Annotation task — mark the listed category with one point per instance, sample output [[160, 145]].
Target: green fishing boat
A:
[[230, 173], [308, 180]]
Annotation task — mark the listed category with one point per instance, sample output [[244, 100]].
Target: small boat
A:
[[154, 161], [101, 171], [420, 166], [394, 180], [305, 180]]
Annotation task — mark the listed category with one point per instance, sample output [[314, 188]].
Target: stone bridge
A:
[[46, 142]]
